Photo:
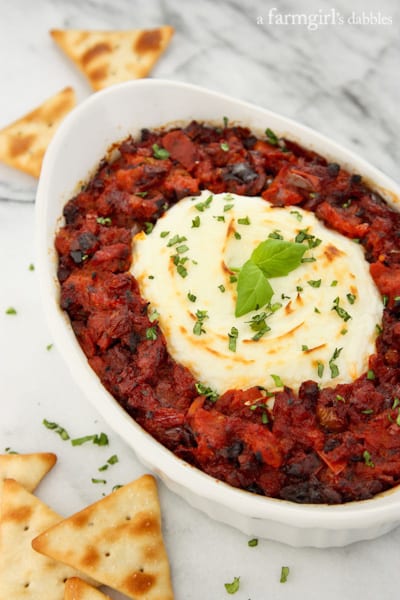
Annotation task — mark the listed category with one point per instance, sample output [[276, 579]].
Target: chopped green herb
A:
[[225, 120], [370, 375], [308, 259], [164, 234], [221, 288], [315, 283], [305, 348], [57, 429], [385, 300], [277, 380], [244, 221], [181, 249], [233, 336], [396, 403], [228, 207], [299, 288], [398, 418], [334, 283], [159, 152], [9, 451], [154, 315], [176, 239], [284, 574], [151, 277], [298, 215], [206, 391], [31, 267], [343, 314], [351, 298], [11, 311], [252, 543], [116, 487], [100, 440], [367, 459], [316, 310], [182, 271], [343, 331], [196, 222], [264, 418], [94, 480], [49, 347], [201, 315], [103, 220], [233, 278], [220, 218], [233, 587], [82, 440], [304, 236], [144, 194], [191, 297], [367, 411], [151, 333], [237, 235], [320, 369], [272, 137], [201, 206], [225, 147], [148, 227], [340, 398], [275, 235]]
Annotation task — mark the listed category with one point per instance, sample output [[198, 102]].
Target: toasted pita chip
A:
[[25, 573], [24, 142], [27, 469], [117, 541], [108, 57], [77, 589]]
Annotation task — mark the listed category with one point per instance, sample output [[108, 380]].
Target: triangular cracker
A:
[[24, 142], [117, 541], [77, 589], [25, 573], [108, 57], [27, 469]]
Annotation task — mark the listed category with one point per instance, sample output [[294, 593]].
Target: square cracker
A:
[[108, 57], [117, 541], [24, 573], [27, 469], [77, 589], [24, 142]]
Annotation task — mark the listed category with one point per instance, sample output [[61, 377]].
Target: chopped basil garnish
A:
[[221, 288], [206, 391], [332, 365], [164, 234], [275, 235], [298, 215], [367, 459], [49, 347], [160, 153], [143, 195], [244, 221], [320, 369], [176, 239], [201, 206], [228, 207], [103, 481], [225, 120], [196, 222], [284, 574], [370, 375], [225, 147], [272, 137], [237, 235], [148, 227], [343, 314], [57, 429], [351, 298], [11, 311], [201, 315], [98, 439], [315, 283], [252, 543], [233, 587], [277, 380], [103, 220], [151, 333], [191, 297], [31, 267], [233, 336]]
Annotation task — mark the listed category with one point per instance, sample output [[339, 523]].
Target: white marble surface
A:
[[343, 80]]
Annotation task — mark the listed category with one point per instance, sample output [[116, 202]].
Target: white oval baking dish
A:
[[79, 144]]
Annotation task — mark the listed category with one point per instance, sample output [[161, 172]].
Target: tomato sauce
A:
[[330, 445]]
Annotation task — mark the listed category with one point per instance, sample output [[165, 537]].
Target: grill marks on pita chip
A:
[[109, 57], [25, 573], [24, 142], [117, 541]]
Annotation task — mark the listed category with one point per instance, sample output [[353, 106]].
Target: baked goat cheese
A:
[[319, 324]]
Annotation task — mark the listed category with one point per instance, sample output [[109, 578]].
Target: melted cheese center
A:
[[323, 326]]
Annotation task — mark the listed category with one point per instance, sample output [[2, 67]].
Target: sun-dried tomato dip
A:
[[315, 443]]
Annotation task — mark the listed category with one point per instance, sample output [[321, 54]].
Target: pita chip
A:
[[117, 541], [25, 573], [27, 469], [108, 57], [77, 589], [24, 142]]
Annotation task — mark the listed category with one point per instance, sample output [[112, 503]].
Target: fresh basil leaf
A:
[[253, 289], [277, 258]]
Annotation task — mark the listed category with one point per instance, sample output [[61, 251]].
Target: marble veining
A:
[[343, 81]]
